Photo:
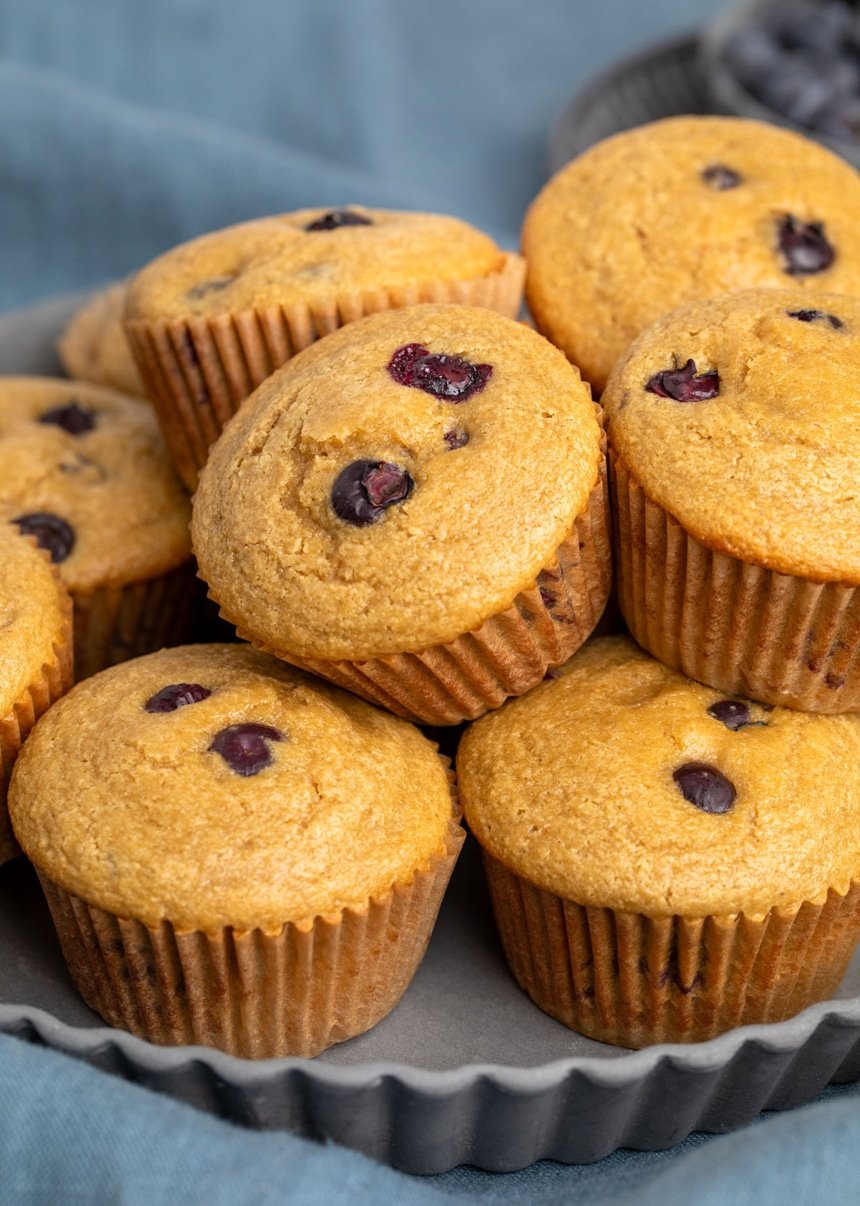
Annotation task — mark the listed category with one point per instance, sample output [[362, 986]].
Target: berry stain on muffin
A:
[[72, 417], [50, 532], [805, 247], [685, 384], [719, 177], [456, 437], [817, 316], [176, 695], [451, 378], [213, 285]]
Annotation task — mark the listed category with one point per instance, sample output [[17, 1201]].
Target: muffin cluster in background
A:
[[408, 501]]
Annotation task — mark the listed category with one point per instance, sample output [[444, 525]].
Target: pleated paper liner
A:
[[507, 655], [115, 623], [198, 371], [54, 679], [738, 627], [633, 980], [255, 993]]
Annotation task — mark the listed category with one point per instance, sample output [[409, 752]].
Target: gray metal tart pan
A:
[[465, 1069]]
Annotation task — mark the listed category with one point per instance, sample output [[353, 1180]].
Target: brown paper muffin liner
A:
[[507, 655], [54, 679], [198, 371], [253, 993], [735, 626], [632, 980], [115, 623]]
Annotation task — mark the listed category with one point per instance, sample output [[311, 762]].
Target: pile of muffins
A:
[[406, 506]]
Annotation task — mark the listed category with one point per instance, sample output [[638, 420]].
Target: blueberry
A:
[[72, 417], [751, 54], [685, 384], [734, 714], [451, 378], [364, 489], [704, 786], [719, 177], [336, 218], [816, 30], [245, 747], [51, 533], [840, 118], [176, 695], [804, 246]]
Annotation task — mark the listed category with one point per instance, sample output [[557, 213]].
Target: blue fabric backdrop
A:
[[127, 127]]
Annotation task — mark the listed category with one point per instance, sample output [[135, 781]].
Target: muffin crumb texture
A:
[[623, 785], [680, 209], [308, 256], [396, 484], [740, 417], [211, 786], [85, 471]]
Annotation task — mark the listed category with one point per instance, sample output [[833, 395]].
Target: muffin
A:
[[734, 431], [211, 319], [35, 653], [414, 508], [665, 862], [246, 858], [678, 210], [93, 346], [84, 470]]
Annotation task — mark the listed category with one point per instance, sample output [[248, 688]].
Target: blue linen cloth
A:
[[127, 127], [75, 1135]]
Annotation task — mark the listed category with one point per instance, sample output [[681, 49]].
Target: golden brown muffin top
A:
[[308, 256], [763, 459], [351, 511], [318, 802], [587, 787], [93, 347], [681, 209], [85, 470], [34, 613]]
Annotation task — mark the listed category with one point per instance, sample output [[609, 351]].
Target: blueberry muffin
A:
[[682, 209], [286, 909], [665, 861], [734, 430], [93, 346], [414, 507], [211, 319], [84, 470], [35, 652]]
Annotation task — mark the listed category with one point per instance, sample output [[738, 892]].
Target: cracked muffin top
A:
[[622, 784], [309, 256], [740, 416], [85, 471], [684, 208], [211, 785], [396, 484]]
